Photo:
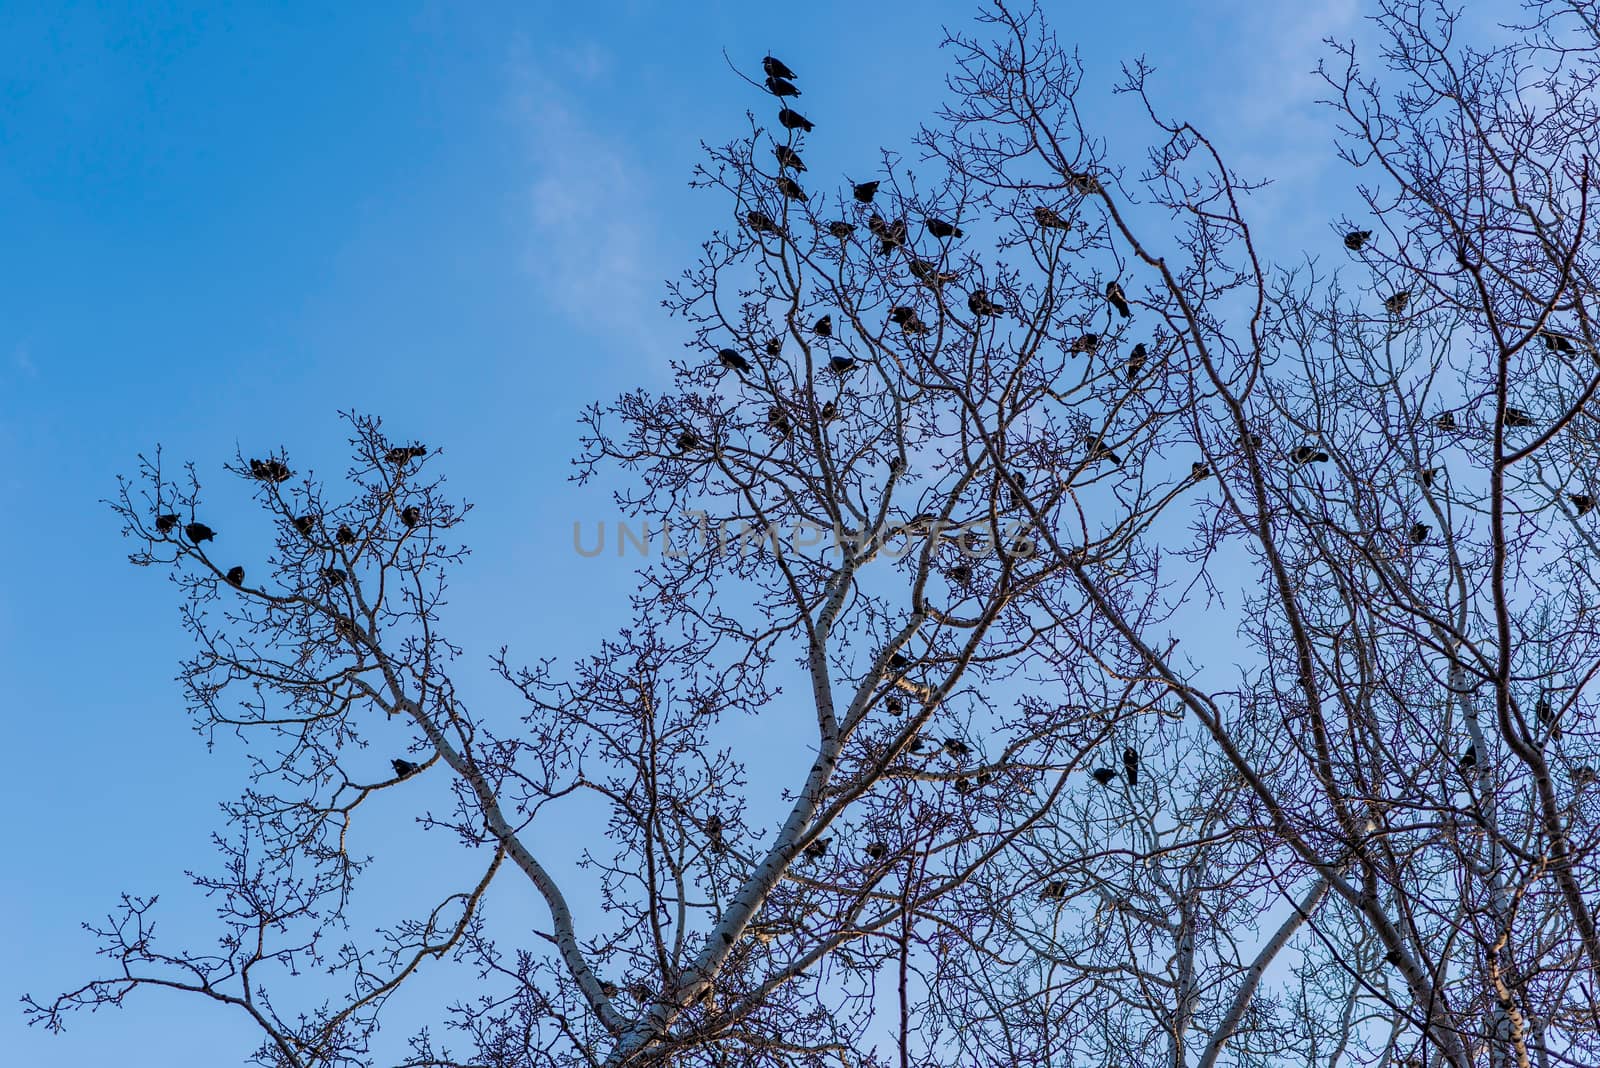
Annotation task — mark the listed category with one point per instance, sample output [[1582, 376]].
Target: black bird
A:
[[1545, 713], [1446, 421], [1469, 759], [788, 157], [774, 346], [985, 778], [961, 573], [235, 575], [957, 748], [1083, 183], [865, 191], [823, 327], [1427, 476], [914, 325], [270, 471], [1099, 451], [1356, 238], [1199, 470], [841, 229], [732, 361], [714, 832], [1582, 503], [199, 532], [404, 453], [978, 303], [404, 768], [1558, 342], [781, 87], [1085, 344], [775, 68], [889, 235], [1250, 440], [1396, 304], [411, 515], [761, 222], [817, 849], [778, 421], [1103, 776], [793, 120], [305, 524], [1055, 889], [1305, 454], [929, 274], [345, 536], [1118, 300], [962, 786], [790, 188], [830, 412], [1136, 361], [1130, 764], [1049, 220], [941, 229], [1517, 417], [165, 524], [1419, 533], [877, 850], [687, 440], [894, 706], [334, 576], [902, 314], [899, 662], [841, 365]]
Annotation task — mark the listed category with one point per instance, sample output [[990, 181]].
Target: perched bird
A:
[[793, 120], [1582, 503], [894, 706], [865, 191], [914, 325], [411, 515], [334, 576], [778, 421], [1250, 440], [823, 327], [1085, 344], [305, 524], [774, 67], [761, 222], [841, 365], [1103, 776], [687, 440], [404, 453], [1199, 470], [841, 229], [1446, 421], [1055, 889], [830, 412], [1427, 475], [269, 471], [1517, 417], [1396, 304], [929, 274], [1559, 343], [961, 573], [899, 662], [978, 303], [957, 748], [198, 532], [1419, 533], [816, 850], [1049, 220], [922, 745], [962, 786], [781, 87], [345, 536], [790, 188], [890, 235], [941, 229], [1083, 183], [788, 157], [235, 575], [1098, 449], [1116, 298], [732, 361], [1305, 454], [404, 768], [165, 524], [714, 832], [1136, 361], [877, 851], [1545, 713], [902, 314], [1356, 238], [1469, 759], [774, 346], [1130, 765], [609, 989]]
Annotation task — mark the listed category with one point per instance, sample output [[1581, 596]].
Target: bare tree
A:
[[962, 460]]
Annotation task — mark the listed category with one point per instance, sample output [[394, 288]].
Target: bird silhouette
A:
[[1048, 219], [774, 67], [1130, 765], [1582, 503], [1118, 300], [790, 188], [1583, 775], [345, 536], [732, 361], [334, 576], [1427, 475], [1085, 344], [198, 532], [929, 274], [1098, 449], [1306, 454], [941, 229], [1250, 440], [830, 412], [877, 851], [774, 346], [1103, 776], [893, 705], [404, 769], [1356, 238], [841, 229], [1446, 421], [1055, 889], [761, 222], [788, 157], [962, 785], [714, 832], [1469, 759], [865, 191], [405, 453], [899, 661], [270, 471], [165, 524], [978, 303], [1396, 304], [823, 327], [1517, 417], [1419, 533], [1558, 343], [1083, 183], [687, 440], [817, 849], [889, 235], [1136, 361], [411, 515], [305, 524], [778, 421], [793, 120], [1199, 470], [1545, 713], [957, 748], [235, 575], [781, 86], [961, 573]]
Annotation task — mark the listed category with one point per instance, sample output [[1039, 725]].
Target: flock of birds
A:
[[276, 471]]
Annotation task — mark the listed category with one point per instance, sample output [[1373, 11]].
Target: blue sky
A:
[[222, 226]]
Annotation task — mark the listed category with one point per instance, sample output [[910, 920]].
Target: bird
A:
[[899, 661], [957, 748], [774, 346], [841, 229], [1085, 344], [687, 440], [790, 188], [1445, 421], [1098, 449], [893, 705], [788, 157], [941, 229], [1396, 304], [1103, 776], [1419, 533], [761, 222], [1250, 440], [902, 314], [778, 421], [985, 778], [823, 327], [404, 453], [1582, 503], [732, 361], [775, 68], [305, 524], [978, 303], [1136, 361], [922, 745], [198, 532], [889, 235], [1130, 764], [404, 768], [714, 832], [334, 576], [410, 515], [962, 785], [781, 86], [1055, 889], [1118, 300], [1428, 474], [961, 573], [165, 524], [345, 536], [929, 274], [830, 412], [270, 471], [877, 850], [914, 325], [1545, 713], [1559, 343], [1469, 759], [841, 365], [817, 849], [793, 120], [1049, 220], [1306, 454], [609, 989], [1083, 183], [1199, 470], [865, 191], [1517, 417], [235, 575], [1356, 238]]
